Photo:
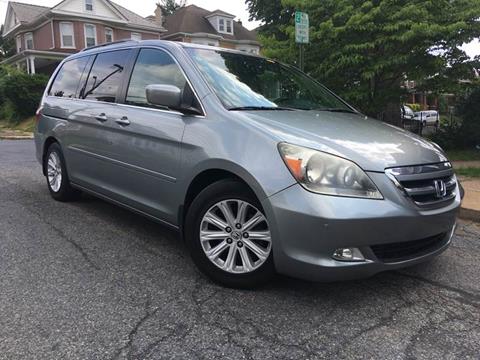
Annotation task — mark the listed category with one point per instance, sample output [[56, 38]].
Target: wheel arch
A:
[[210, 174], [48, 141]]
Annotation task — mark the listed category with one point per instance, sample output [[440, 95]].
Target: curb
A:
[[469, 214], [16, 137]]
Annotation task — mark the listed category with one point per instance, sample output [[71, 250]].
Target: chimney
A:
[[239, 21], [159, 15]]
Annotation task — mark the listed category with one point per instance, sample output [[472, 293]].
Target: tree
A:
[[170, 6], [7, 46], [364, 50]]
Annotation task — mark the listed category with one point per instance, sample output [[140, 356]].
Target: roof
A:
[[27, 12], [132, 17], [192, 19]]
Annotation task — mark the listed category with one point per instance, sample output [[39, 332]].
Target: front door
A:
[[145, 141]]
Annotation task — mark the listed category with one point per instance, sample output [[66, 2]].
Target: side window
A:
[[68, 78], [106, 76], [153, 67]]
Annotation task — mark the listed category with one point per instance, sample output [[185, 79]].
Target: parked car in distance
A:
[[260, 168], [407, 113], [427, 117]]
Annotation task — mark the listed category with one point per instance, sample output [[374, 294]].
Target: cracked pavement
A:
[[89, 280]]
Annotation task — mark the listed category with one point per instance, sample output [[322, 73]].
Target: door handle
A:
[[101, 117], [123, 121]]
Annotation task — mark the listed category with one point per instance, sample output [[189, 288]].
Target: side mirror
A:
[[164, 95]]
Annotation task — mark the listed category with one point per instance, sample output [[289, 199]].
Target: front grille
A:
[[402, 251], [429, 186]]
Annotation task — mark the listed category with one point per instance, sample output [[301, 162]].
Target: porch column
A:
[[32, 65], [27, 60]]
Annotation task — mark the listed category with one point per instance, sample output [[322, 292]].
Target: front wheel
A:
[[228, 235]]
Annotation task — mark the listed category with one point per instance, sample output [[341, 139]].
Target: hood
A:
[[372, 144]]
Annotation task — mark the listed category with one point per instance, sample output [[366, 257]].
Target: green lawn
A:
[[464, 155], [468, 172], [27, 125]]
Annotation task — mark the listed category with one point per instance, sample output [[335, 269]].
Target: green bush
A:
[[20, 93], [415, 107], [463, 133]]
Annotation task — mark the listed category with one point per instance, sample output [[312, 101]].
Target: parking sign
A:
[[301, 28]]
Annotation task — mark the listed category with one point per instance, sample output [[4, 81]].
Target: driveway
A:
[[88, 280]]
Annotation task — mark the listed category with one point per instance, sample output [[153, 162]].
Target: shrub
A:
[[463, 134], [415, 107], [20, 93]]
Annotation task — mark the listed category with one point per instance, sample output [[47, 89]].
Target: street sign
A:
[[301, 28]]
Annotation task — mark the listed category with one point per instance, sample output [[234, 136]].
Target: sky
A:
[[235, 7]]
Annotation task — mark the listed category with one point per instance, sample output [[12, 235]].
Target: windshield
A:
[[255, 83]]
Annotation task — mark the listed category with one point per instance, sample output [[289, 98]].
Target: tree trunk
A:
[[392, 114]]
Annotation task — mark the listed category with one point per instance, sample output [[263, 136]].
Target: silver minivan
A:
[[260, 168]]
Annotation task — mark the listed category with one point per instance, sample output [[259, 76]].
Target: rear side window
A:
[[106, 76], [68, 78], [153, 67]]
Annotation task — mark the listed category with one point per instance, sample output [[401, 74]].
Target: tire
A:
[[237, 265], [57, 177]]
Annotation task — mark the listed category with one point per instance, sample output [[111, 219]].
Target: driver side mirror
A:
[[164, 95], [172, 97]]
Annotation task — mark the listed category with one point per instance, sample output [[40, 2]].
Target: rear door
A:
[[91, 142], [146, 140]]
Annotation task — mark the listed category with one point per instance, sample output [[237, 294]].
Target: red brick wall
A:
[[42, 37], [78, 26]]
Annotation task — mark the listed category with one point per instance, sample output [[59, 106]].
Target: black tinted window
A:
[[153, 67], [106, 76], [68, 78]]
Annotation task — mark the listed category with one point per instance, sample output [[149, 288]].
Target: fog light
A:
[[348, 254]]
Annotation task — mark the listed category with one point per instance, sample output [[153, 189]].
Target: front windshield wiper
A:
[[339, 110], [255, 108]]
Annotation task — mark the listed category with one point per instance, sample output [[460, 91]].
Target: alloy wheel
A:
[[235, 236], [54, 171]]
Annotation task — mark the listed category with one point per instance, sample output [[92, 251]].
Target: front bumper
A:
[[307, 228]]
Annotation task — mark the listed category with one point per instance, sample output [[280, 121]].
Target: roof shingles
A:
[[192, 19]]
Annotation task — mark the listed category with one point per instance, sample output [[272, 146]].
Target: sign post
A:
[[302, 28]]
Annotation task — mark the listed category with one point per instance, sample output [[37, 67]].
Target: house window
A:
[[66, 35], [29, 41], [89, 5], [225, 26], [90, 35], [19, 43], [136, 36], [108, 35]]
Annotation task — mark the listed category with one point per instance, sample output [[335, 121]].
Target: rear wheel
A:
[[57, 177], [228, 236]]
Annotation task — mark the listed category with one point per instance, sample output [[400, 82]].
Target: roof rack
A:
[[108, 44]]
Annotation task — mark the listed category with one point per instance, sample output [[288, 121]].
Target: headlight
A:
[[327, 174]]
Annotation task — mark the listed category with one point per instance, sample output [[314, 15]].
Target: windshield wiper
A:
[[255, 108], [339, 110]]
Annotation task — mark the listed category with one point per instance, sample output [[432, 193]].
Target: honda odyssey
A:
[[261, 169]]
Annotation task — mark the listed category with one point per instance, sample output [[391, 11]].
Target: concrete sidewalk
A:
[[471, 202]]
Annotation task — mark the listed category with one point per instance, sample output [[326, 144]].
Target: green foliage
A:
[[7, 46], [464, 134], [20, 93], [415, 107], [170, 6], [364, 50]]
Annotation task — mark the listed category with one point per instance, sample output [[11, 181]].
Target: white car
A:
[[427, 117], [407, 113]]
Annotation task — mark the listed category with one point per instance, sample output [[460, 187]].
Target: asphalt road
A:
[[88, 280]]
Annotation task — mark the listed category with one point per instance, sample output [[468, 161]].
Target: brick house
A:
[[44, 36], [194, 24]]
